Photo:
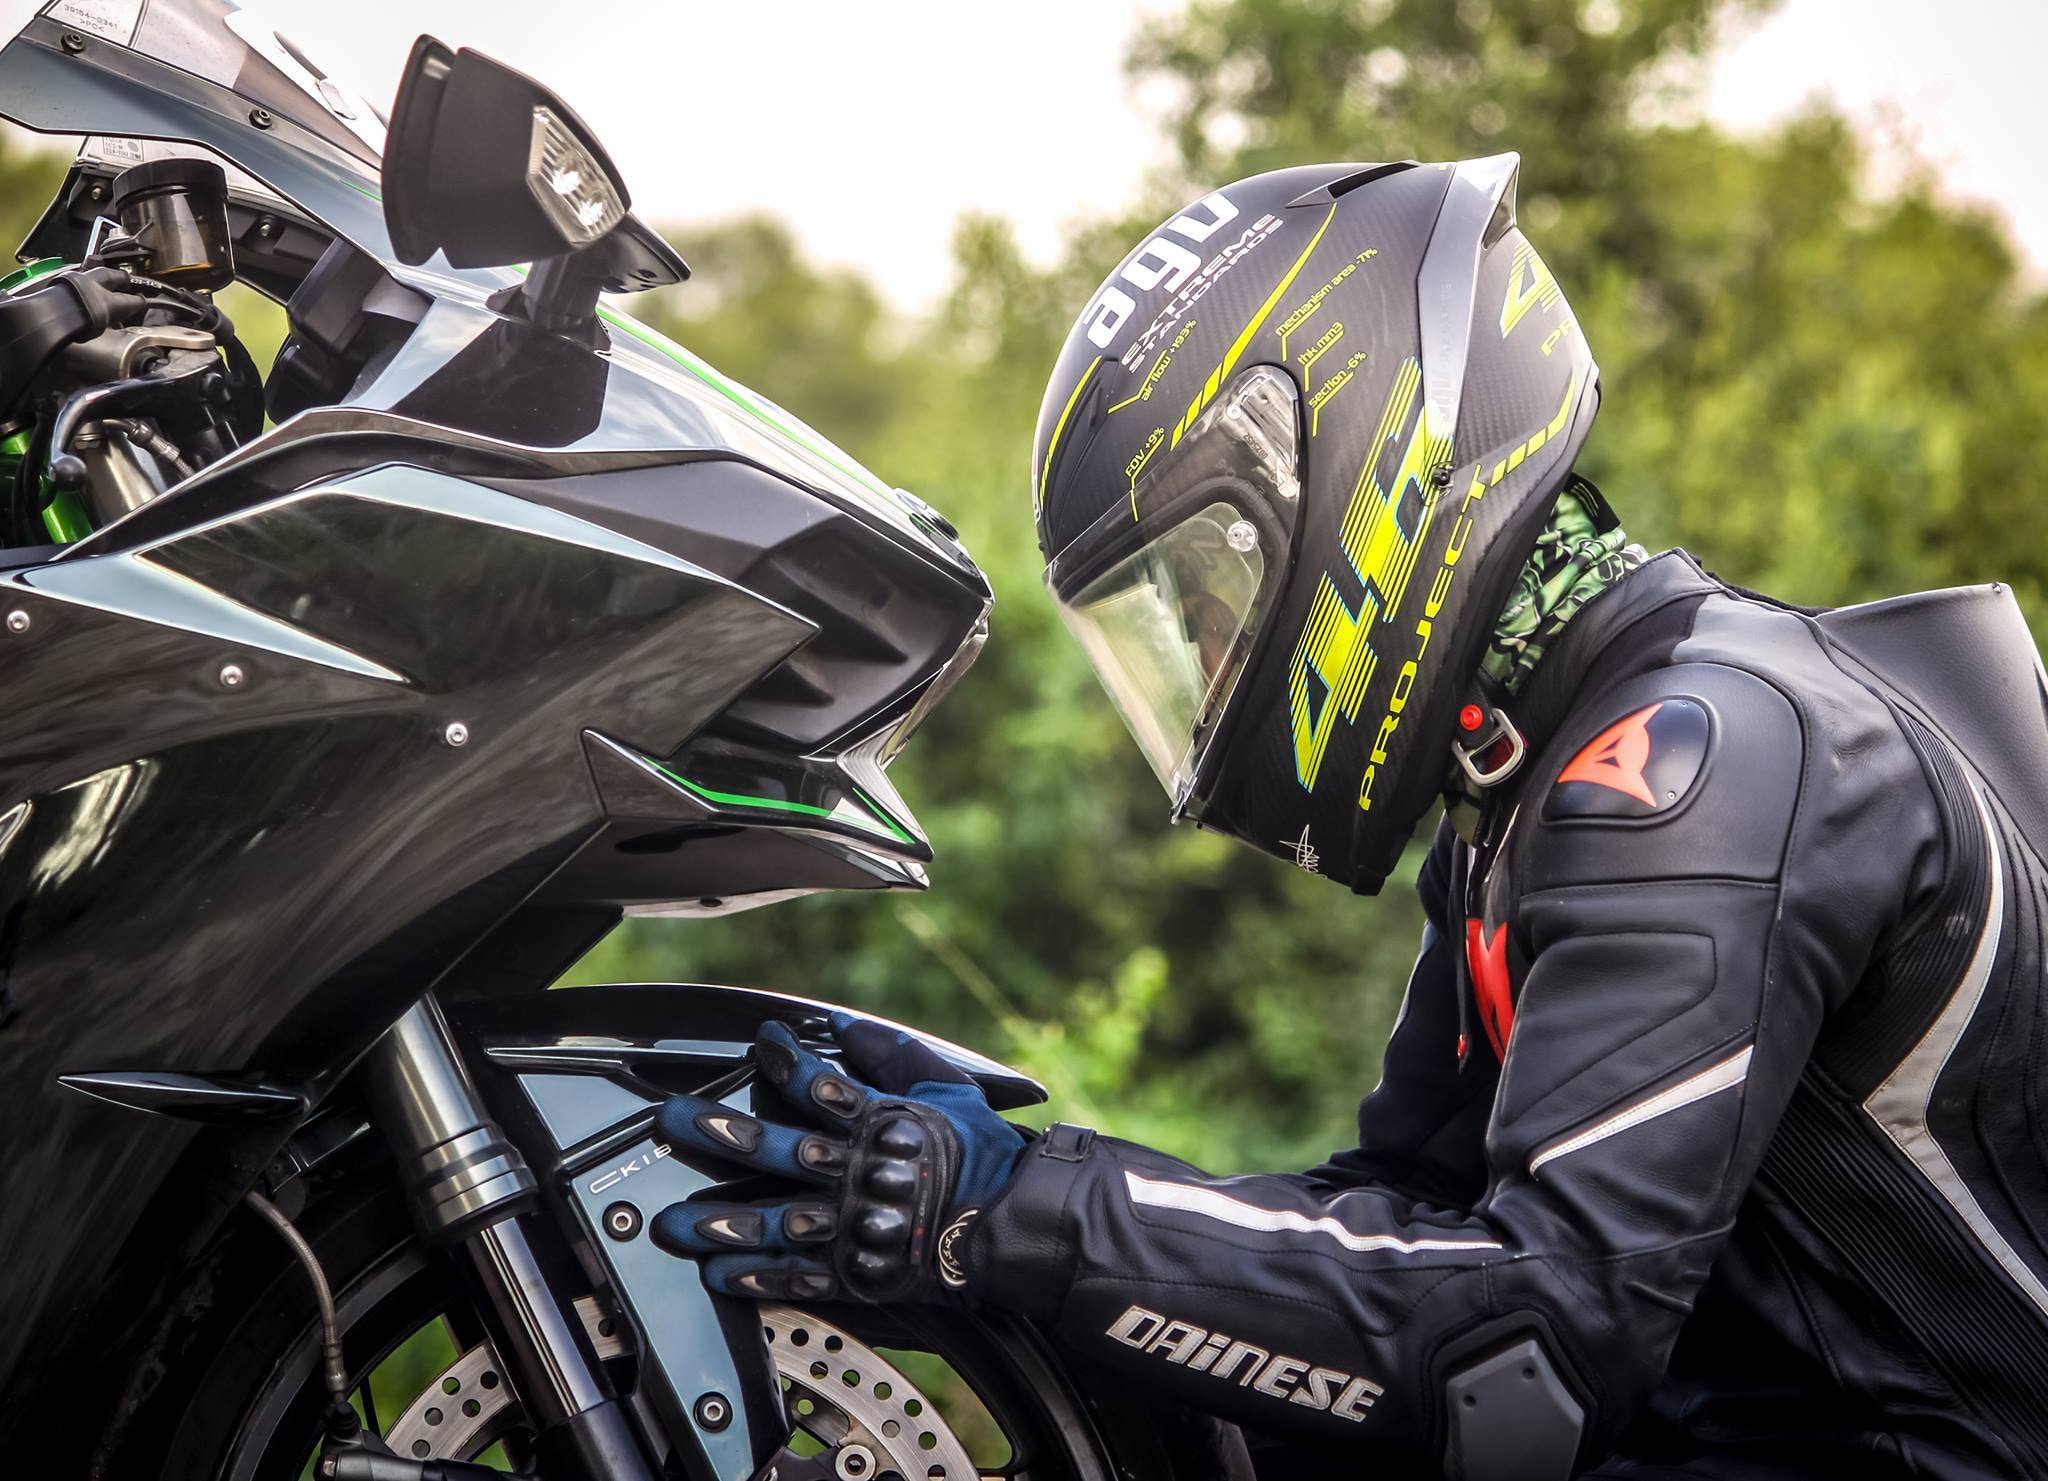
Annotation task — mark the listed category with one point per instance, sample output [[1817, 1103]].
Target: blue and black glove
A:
[[874, 1204]]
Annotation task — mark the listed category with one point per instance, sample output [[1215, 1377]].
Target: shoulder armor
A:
[[1693, 770], [1641, 766]]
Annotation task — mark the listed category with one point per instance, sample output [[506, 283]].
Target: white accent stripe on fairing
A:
[[1899, 1105], [1712, 1080], [1211, 1204]]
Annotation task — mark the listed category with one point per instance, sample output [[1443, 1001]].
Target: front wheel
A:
[[912, 1395]]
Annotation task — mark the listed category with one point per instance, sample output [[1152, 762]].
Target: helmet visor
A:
[[1171, 594], [1164, 627]]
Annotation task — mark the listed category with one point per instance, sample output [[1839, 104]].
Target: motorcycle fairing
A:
[[249, 879], [577, 1074], [733, 787], [204, 876]]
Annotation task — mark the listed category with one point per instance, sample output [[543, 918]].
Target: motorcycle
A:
[[350, 705]]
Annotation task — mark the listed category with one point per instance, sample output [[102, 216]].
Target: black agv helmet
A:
[[1289, 463]]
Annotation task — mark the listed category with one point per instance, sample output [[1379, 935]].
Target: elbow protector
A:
[[1509, 1414]]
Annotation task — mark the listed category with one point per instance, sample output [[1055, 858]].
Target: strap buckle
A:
[[1065, 1142], [1496, 729]]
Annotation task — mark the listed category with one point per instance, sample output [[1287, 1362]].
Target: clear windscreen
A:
[[238, 49]]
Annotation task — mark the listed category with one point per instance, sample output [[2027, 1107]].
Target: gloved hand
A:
[[872, 1205]]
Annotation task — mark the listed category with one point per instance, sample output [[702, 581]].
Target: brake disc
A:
[[872, 1421], [857, 1404], [460, 1413]]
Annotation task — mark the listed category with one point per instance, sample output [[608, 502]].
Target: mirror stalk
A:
[[559, 295]]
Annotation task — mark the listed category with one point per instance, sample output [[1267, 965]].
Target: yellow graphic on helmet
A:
[[1053, 445], [1529, 283], [1238, 346], [1446, 572], [1384, 525]]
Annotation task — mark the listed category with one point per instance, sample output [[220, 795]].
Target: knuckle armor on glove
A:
[[903, 1163], [873, 1205]]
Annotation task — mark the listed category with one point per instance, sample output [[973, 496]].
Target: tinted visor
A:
[[1167, 592]]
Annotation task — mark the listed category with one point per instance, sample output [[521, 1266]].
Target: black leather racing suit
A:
[[1761, 1186]]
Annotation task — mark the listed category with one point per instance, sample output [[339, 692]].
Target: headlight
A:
[[569, 184]]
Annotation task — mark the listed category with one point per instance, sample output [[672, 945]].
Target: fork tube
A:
[[469, 1187]]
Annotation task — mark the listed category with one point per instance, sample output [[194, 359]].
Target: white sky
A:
[[872, 127]]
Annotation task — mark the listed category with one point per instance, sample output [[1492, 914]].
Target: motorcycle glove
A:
[[900, 1153]]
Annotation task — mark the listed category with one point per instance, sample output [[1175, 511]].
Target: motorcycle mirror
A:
[[488, 167]]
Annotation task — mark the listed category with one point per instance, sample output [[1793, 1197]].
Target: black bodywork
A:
[[492, 639]]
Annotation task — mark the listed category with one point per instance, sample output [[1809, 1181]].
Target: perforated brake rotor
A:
[[873, 1422], [460, 1413], [859, 1405]]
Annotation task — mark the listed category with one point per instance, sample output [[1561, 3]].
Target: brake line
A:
[[334, 1373]]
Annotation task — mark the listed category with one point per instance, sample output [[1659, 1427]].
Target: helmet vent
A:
[[1324, 195], [1503, 218]]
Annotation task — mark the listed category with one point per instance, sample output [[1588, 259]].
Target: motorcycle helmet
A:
[[1290, 460]]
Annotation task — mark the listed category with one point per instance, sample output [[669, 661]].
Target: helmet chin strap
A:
[[1489, 747], [1581, 552]]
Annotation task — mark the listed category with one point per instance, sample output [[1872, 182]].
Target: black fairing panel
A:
[[886, 612], [547, 391], [255, 876], [236, 832]]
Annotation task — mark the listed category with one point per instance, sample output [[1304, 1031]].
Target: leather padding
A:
[[1966, 661]]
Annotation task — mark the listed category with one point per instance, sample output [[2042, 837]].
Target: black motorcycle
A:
[[345, 708]]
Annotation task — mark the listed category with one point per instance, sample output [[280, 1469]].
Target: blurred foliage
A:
[[29, 176], [1827, 395]]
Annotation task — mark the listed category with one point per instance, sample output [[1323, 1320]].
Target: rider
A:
[[1711, 1137]]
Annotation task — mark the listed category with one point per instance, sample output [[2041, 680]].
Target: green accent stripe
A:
[[737, 395], [883, 813], [774, 804]]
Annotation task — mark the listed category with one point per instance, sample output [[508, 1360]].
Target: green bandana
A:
[[1573, 562]]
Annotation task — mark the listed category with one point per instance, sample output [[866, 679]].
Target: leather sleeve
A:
[[1674, 988], [1422, 1129]]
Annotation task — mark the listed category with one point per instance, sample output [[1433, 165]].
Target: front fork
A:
[[469, 1188]]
